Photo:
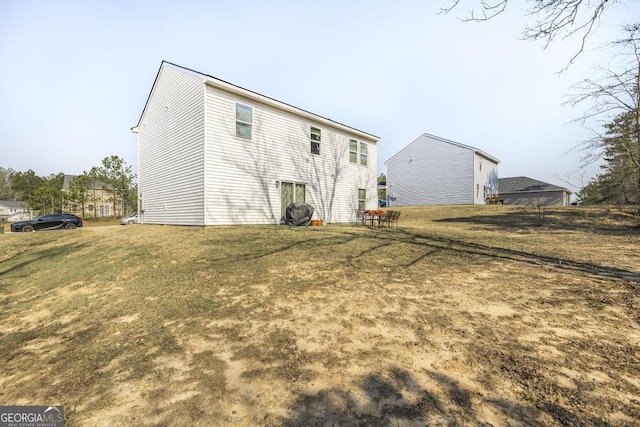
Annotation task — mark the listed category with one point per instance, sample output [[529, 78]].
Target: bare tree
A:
[[552, 18], [612, 94], [613, 102]]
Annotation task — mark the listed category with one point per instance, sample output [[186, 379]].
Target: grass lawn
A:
[[486, 315]]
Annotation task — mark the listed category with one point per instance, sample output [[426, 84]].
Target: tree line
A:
[[45, 194]]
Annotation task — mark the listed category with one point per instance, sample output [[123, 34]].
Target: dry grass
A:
[[463, 315]]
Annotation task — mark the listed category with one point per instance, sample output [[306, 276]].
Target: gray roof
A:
[[97, 185], [523, 184], [11, 204]]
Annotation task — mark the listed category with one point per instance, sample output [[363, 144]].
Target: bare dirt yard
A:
[[475, 316]]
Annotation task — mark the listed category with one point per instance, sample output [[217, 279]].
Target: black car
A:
[[49, 222]]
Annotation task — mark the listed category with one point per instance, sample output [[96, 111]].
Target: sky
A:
[[75, 75]]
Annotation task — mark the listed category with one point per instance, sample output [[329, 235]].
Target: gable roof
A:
[[448, 141], [11, 204], [97, 185], [523, 184], [214, 81]]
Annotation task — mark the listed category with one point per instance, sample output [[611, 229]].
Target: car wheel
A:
[[27, 228], [70, 226], [131, 222]]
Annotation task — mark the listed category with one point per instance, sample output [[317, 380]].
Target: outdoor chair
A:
[[385, 218], [360, 217], [394, 218]]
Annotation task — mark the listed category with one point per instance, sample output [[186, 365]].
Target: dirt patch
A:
[[464, 316]]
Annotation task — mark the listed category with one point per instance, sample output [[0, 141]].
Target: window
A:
[[315, 140], [353, 151], [244, 121], [477, 190], [291, 193], [363, 153], [362, 199], [480, 165]]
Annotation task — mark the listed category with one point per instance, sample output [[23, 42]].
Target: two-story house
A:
[[213, 153], [437, 171]]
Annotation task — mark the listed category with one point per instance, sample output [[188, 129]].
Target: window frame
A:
[[295, 187], [244, 122], [362, 199], [315, 143], [353, 154], [364, 154]]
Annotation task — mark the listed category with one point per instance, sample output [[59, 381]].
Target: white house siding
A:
[[243, 178], [431, 172], [171, 150], [485, 178]]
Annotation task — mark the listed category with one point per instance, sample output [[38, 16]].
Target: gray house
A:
[[436, 171], [521, 190]]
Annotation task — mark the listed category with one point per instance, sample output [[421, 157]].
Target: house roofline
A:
[[475, 150], [134, 129], [230, 87]]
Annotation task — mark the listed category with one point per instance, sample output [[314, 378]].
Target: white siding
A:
[[242, 177], [485, 176], [430, 171], [171, 150]]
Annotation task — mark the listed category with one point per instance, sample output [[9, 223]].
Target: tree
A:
[[614, 98], [595, 192], [48, 197], [78, 190], [118, 176], [24, 184], [553, 18], [6, 181], [93, 177]]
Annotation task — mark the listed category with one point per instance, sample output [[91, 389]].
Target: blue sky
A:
[[74, 75]]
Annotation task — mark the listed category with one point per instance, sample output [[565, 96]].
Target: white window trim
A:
[[311, 140], [357, 149], [358, 152], [361, 143], [236, 121]]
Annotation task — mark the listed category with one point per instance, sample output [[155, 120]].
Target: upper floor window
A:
[[363, 153], [353, 151], [315, 140], [354, 148], [480, 165], [244, 121]]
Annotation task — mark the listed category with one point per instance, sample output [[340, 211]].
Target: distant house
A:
[[213, 153], [436, 171], [521, 190], [98, 200], [12, 211]]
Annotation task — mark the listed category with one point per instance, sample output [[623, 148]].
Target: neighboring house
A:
[[521, 190], [213, 153], [98, 200], [436, 171], [12, 211]]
